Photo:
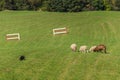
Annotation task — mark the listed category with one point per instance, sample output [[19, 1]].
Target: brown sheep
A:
[[100, 48]]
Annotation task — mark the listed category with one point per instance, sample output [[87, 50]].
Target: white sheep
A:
[[73, 47], [92, 48], [83, 49]]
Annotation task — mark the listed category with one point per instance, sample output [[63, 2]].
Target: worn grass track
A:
[[49, 57]]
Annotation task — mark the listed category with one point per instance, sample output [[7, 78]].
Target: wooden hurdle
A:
[[14, 36], [60, 31]]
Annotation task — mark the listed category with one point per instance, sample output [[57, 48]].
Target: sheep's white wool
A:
[[73, 47], [83, 48], [92, 48]]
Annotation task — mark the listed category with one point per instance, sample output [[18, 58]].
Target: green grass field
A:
[[49, 57]]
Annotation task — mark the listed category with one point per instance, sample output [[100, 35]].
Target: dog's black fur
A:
[[22, 58]]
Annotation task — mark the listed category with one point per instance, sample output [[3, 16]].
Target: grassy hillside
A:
[[49, 57]]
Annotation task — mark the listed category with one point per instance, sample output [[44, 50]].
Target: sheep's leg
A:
[[87, 51]]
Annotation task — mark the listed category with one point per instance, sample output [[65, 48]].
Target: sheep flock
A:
[[84, 48]]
